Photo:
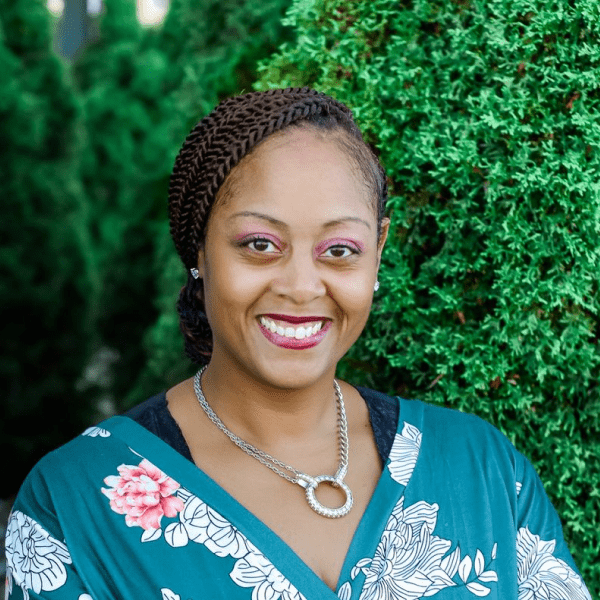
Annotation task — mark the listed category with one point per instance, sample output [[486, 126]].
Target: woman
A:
[[263, 477]]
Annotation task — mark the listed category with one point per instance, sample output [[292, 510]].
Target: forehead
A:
[[301, 174]]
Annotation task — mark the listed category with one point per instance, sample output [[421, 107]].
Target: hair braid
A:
[[210, 152]]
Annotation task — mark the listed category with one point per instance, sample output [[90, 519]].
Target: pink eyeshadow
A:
[[339, 242], [255, 234]]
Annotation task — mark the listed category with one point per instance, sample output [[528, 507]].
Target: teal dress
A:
[[458, 513]]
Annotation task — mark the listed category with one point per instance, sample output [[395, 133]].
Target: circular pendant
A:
[[332, 513]]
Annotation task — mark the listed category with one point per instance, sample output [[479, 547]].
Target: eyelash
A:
[[353, 251], [247, 243]]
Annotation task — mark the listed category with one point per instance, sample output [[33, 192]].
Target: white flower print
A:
[[35, 560], [541, 575], [199, 523], [410, 562], [96, 432], [519, 485], [345, 591], [256, 571], [407, 562], [404, 454]]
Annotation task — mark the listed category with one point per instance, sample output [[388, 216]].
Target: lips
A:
[[295, 320], [281, 333]]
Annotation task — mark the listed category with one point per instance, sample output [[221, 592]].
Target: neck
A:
[[265, 415]]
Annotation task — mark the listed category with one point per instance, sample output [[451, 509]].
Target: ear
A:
[[201, 262], [385, 227]]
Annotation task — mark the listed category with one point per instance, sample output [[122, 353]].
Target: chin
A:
[[292, 375]]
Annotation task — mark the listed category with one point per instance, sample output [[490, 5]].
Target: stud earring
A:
[[195, 273], [376, 286]]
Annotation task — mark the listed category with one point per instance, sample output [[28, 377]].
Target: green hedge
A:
[[487, 117], [43, 285], [211, 48]]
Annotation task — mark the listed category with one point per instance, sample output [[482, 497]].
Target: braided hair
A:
[[215, 146]]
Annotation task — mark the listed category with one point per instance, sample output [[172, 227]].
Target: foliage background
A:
[[88, 276], [486, 116]]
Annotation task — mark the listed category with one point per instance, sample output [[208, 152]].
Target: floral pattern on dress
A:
[[255, 570], [143, 489], [34, 559], [404, 454], [541, 575], [168, 594], [201, 524], [144, 494], [96, 432], [410, 562]]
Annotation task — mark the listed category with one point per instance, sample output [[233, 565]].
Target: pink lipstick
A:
[[291, 343], [295, 320]]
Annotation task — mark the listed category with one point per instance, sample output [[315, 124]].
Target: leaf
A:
[[450, 563], [176, 535], [494, 550], [479, 563], [363, 562], [478, 589], [464, 569], [345, 592], [488, 576], [151, 535], [167, 594]]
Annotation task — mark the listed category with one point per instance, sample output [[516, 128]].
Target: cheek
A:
[[355, 296], [231, 290]]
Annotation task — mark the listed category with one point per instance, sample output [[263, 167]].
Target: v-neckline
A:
[[193, 479]]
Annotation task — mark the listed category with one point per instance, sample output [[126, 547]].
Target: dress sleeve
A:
[[38, 561], [545, 566]]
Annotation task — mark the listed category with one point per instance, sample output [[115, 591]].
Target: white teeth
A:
[[300, 333], [290, 332]]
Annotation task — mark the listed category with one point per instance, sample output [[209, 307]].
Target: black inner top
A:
[[154, 415]]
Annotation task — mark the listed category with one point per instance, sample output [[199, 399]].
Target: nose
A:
[[300, 279]]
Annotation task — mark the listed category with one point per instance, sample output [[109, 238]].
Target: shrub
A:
[[142, 89], [212, 49], [43, 271], [487, 118]]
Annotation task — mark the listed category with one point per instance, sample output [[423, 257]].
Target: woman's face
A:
[[290, 260]]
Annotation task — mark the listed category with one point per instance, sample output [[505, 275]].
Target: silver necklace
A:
[[310, 484]]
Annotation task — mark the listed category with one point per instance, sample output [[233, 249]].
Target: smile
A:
[[296, 337], [299, 333]]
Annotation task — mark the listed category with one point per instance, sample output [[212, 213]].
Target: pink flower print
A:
[[143, 494]]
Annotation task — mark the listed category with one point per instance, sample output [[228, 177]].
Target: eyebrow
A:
[[281, 224]]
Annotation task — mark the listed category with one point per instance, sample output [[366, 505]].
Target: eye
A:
[[261, 245], [339, 252]]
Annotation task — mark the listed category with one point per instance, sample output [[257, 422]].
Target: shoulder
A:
[[448, 423], [86, 458], [78, 460], [436, 420], [73, 460], [441, 431]]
